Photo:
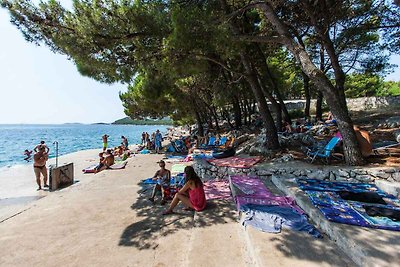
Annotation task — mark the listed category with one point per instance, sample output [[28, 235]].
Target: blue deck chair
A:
[[223, 140], [324, 153], [211, 141]]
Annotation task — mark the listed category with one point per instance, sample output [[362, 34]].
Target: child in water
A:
[[28, 154]]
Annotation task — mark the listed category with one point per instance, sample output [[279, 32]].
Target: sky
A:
[[40, 87]]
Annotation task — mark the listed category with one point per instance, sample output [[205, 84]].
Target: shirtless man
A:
[[107, 161], [105, 142], [39, 166]]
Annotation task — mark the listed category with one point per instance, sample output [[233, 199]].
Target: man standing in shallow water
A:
[[39, 166]]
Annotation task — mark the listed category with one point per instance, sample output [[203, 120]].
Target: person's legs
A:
[[156, 188], [37, 174], [44, 172], [163, 200], [179, 197]]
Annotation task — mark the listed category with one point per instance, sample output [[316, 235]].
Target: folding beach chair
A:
[[325, 153], [211, 141], [223, 140], [385, 148]]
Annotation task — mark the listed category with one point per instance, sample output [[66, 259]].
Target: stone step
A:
[[365, 246]]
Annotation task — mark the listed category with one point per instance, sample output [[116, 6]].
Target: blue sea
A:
[[14, 139]]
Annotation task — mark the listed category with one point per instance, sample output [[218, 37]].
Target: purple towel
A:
[[253, 191]]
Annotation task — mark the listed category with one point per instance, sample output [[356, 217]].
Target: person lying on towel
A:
[[192, 193], [163, 177]]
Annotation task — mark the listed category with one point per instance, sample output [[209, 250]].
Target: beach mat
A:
[[217, 189], [251, 190], [178, 168], [328, 198], [320, 185], [118, 166], [175, 180], [89, 169], [266, 211], [248, 185], [235, 162]]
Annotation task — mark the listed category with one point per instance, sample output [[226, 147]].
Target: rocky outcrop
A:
[[360, 174]]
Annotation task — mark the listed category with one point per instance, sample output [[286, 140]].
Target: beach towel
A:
[[272, 219], [217, 189], [235, 162], [174, 158], [248, 185], [118, 166], [181, 157], [251, 190], [90, 169], [283, 201], [178, 168], [144, 151], [353, 203], [175, 180], [320, 185]]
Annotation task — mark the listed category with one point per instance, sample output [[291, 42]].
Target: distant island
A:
[[127, 120]]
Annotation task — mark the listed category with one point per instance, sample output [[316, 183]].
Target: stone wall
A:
[[360, 174], [355, 104]]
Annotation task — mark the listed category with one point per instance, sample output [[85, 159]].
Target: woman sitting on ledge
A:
[[192, 194]]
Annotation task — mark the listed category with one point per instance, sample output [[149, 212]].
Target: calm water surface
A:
[[14, 139]]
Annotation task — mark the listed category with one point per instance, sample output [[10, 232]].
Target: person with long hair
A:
[[192, 193]]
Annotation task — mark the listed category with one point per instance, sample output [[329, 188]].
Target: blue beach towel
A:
[[271, 219], [326, 196]]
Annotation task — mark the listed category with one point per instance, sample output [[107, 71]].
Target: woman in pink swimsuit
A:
[[192, 193]]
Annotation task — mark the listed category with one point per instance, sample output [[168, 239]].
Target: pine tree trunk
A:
[[306, 86], [199, 124], [318, 107], [333, 97], [271, 133], [237, 113]]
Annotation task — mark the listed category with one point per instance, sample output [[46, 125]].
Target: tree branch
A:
[[261, 39]]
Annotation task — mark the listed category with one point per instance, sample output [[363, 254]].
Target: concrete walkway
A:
[[106, 220]]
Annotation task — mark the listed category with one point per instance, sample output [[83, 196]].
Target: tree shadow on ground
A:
[[150, 224]]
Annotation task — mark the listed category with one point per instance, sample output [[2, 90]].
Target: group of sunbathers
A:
[[153, 143], [302, 125], [191, 143], [107, 157]]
